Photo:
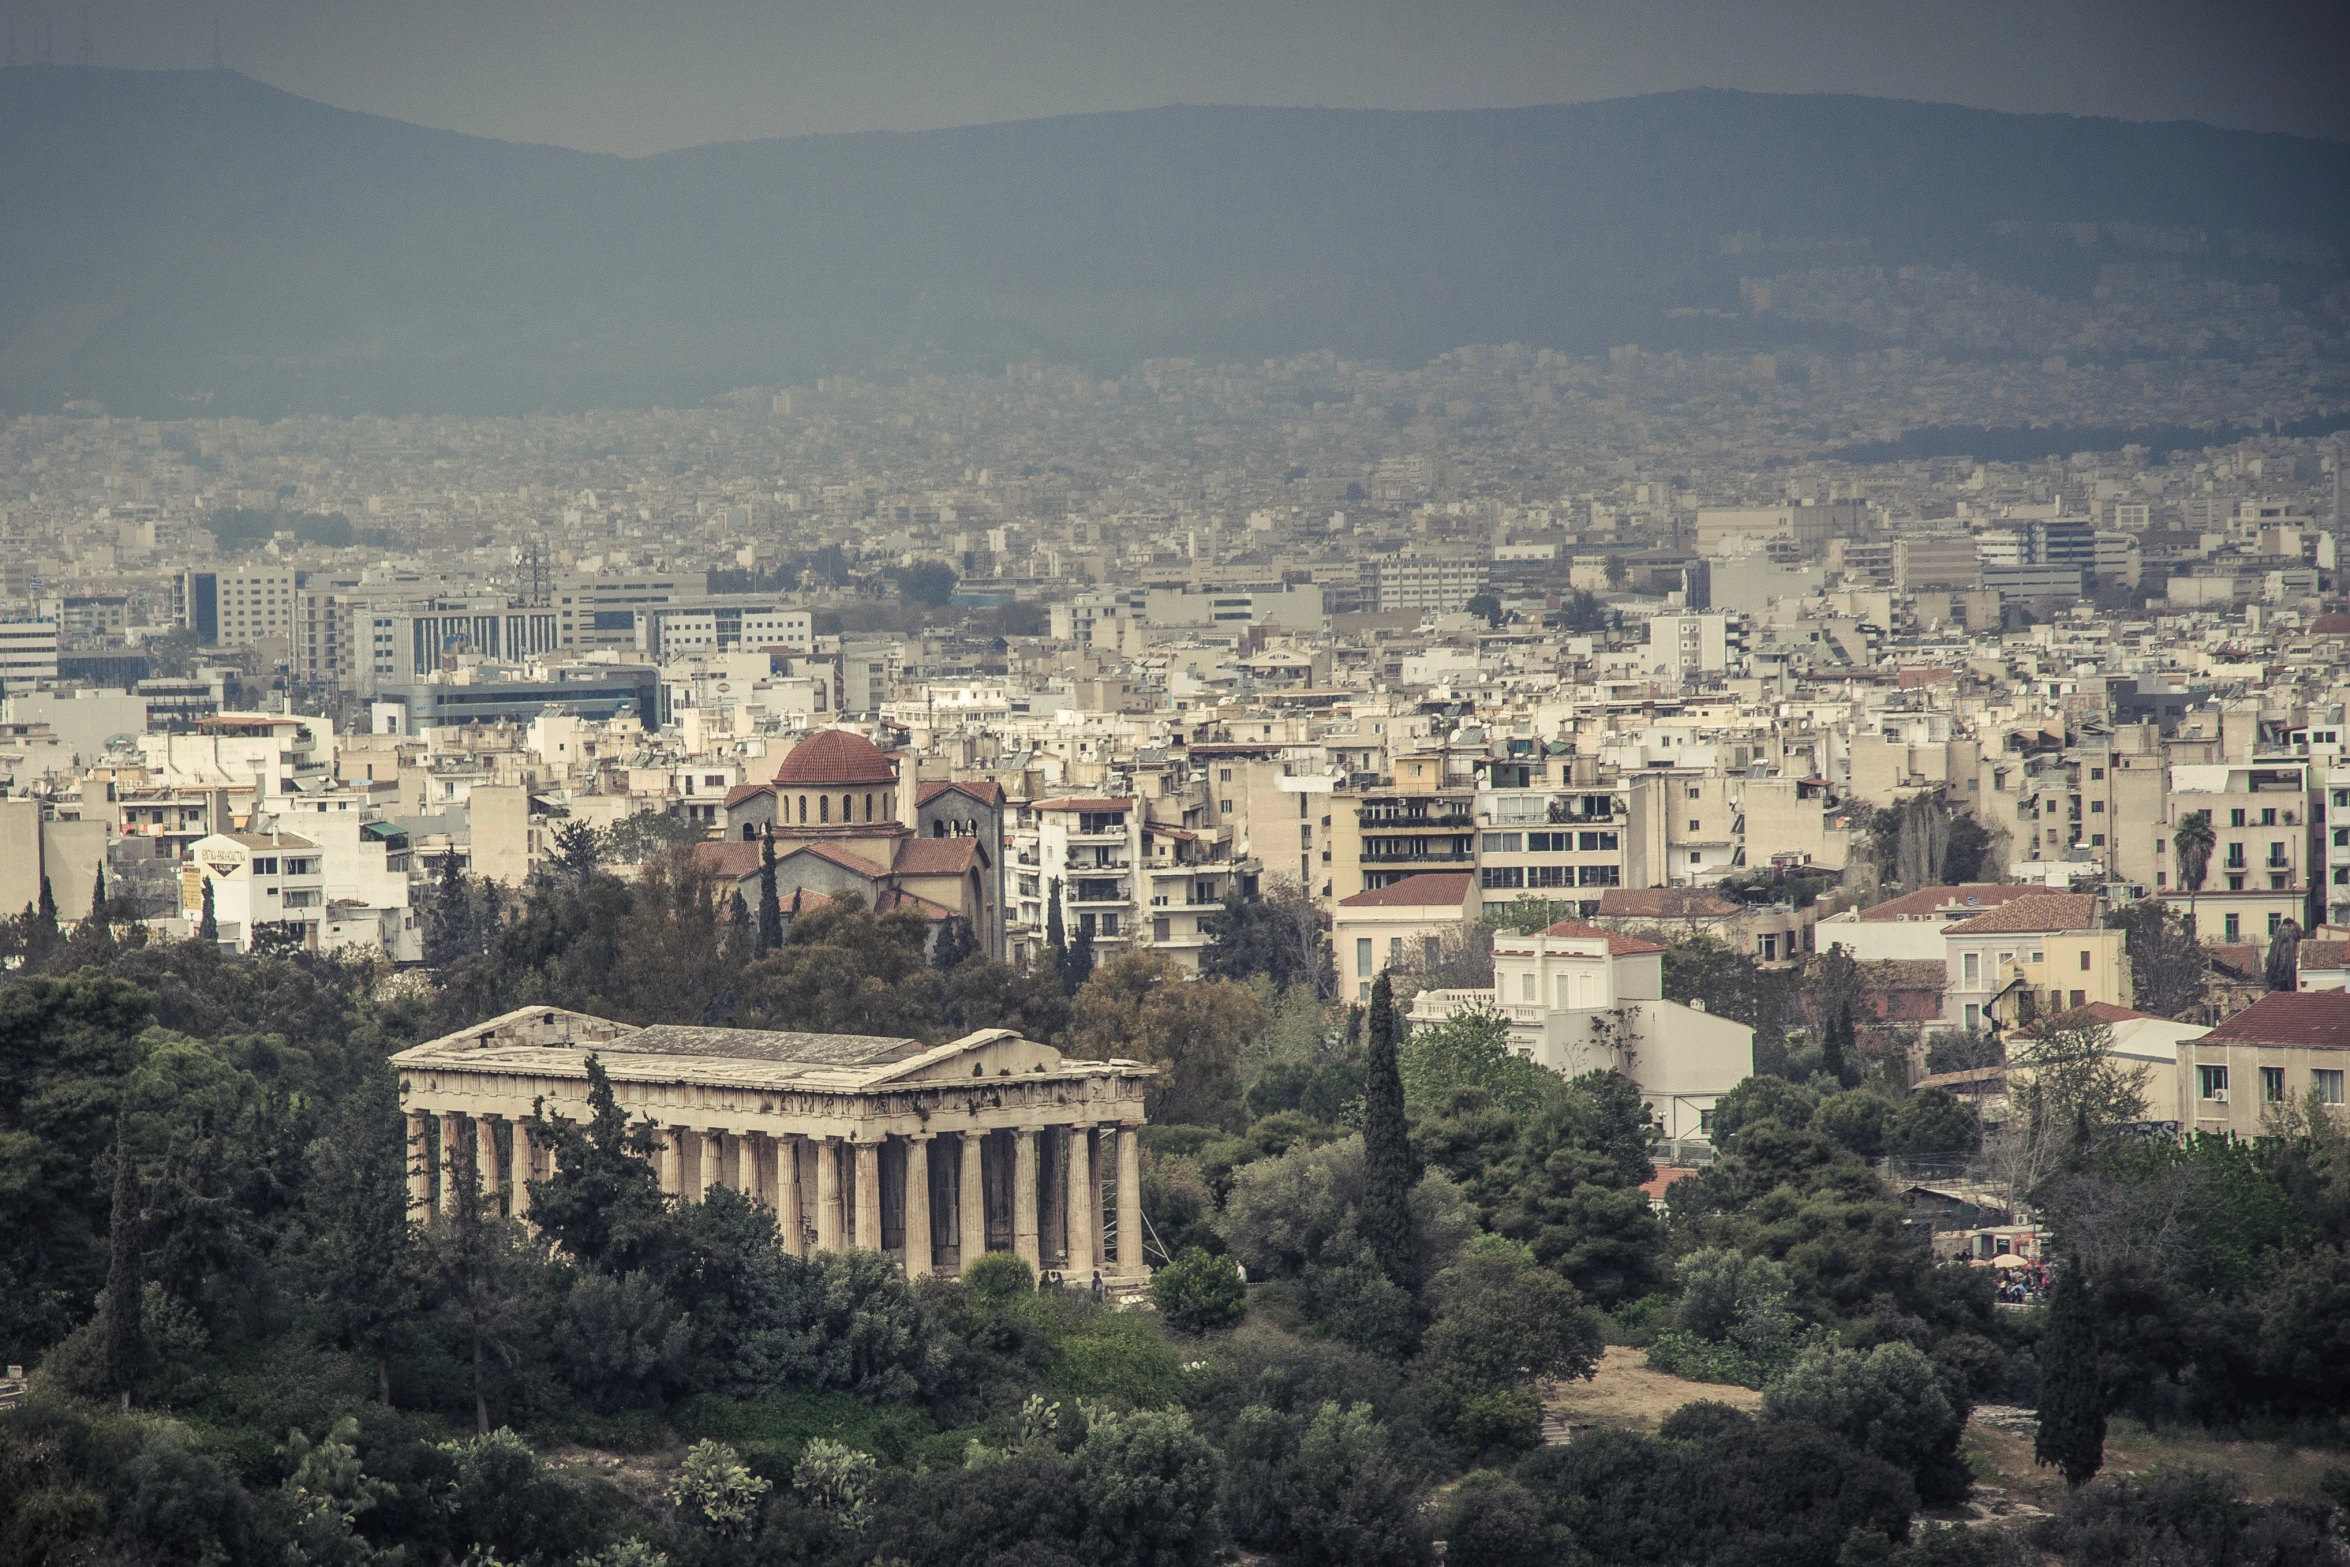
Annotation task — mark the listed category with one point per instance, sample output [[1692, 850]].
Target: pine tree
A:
[[770, 906], [208, 928], [120, 1337], [2072, 1393], [1388, 1175]]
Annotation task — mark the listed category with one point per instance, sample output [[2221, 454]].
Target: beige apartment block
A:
[[2290, 1045], [932, 1154]]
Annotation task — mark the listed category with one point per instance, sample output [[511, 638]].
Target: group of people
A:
[[1056, 1280]]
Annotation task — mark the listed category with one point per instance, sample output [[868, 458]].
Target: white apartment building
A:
[[1579, 999], [1685, 646], [1422, 579], [257, 880], [28, 654], [674, 630], [274, 755], [240, 607]]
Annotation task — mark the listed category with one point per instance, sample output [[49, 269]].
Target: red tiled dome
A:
[[833, 757]]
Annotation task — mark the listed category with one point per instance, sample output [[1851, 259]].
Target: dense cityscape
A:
[[1669, 956]]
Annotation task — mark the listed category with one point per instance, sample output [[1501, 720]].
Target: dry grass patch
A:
[[1627, 1395]]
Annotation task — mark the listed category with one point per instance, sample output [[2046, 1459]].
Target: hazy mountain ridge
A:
[[167, 235]]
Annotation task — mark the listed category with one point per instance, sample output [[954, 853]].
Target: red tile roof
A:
[[1427, 890], [741, 792], [1617, 946], [985, 790], [935, 856], [727, 859], [2107, 1012], [2290, 1017], [1938, 902], [1666, 903], [2039, 913], [2324, 956], [832, 757]]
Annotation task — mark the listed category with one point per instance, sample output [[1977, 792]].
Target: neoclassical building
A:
[[934, 1154]]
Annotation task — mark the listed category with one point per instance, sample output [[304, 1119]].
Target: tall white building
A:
[[28, 654]]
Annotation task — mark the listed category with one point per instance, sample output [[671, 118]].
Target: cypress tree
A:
[[770, 906], [2072, 1395], [119, 1328], [98, 895], [1056, 934], [1387, 1151], [1080, 961], [208, 928]]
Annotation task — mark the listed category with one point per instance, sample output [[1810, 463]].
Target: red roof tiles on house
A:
[[1940, 902], [1666, 903], [2290, 1017], [741, 792], [832, 757], [1428, 890], [1617, 946], [2042, 912]]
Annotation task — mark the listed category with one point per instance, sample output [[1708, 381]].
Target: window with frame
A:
[[2210, 1081], [2272, 1083], [2325, 1083]]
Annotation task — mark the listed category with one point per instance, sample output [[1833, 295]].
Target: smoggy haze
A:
[[613, 77]]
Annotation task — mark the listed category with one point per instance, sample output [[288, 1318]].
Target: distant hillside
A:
[[180, 242]]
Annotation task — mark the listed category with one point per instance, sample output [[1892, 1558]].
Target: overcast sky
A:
[[630, 76]]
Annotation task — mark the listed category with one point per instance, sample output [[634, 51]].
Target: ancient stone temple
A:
[[934, 1154]]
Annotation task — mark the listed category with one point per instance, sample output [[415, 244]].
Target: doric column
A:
[[828, 1194], [419, 1165], [671, 1159], [485, 1160], [449, 1145], [1130, 1201], [525, 1167], [971, 1202], [1024, 1196], [787, 1196], [918, 1206], [1084, 1205], [758, 1155], [711, 1169], [868, 1195]]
